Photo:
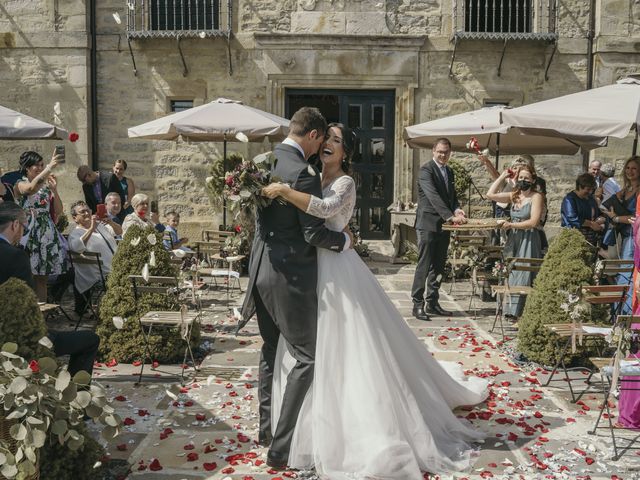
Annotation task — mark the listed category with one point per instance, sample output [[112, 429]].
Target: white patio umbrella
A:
[[612, 110], [18, 126], [486, 125], [222, 120]]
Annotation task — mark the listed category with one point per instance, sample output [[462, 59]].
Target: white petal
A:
[[151, 238], [242, 137], [152, 259], [98, 464], [45, 342], [56, 108], [145, 272], [118, 322], [116, 17], [245, 193], [211, 379], [209, 179], [171, 394], [311, 171], [263, 157], [236, 314], [485, 152], [179, 253], [18, 122], [131, 5], [202, 34], [135, 241]]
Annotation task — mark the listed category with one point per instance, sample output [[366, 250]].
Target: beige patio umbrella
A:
[[18, 126], [222, 120], [486, 125], [612, 110]]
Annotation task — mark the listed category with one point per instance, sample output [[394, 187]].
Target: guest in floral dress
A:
[[38, 195]]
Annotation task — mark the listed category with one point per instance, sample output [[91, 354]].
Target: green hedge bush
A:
[[567, 265], [21, 321], [127, 344]]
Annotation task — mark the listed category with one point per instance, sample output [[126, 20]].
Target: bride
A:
[[380, 405]]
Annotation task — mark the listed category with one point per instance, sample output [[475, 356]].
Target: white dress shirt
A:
[[101, 241]]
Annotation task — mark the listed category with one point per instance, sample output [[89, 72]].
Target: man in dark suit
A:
[[283, 280], [96, 186], [14, 262], [437, 204], [81, 346]]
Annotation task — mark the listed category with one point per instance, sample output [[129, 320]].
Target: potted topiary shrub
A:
[[567, 265], [139, 250]]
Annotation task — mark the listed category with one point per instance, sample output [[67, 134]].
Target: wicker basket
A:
[[5, 426]]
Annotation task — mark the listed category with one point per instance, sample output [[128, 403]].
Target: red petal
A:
[[192, 457], [155, 465], [210, 466]]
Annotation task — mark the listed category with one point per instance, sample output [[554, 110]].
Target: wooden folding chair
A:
[[611, 370], [503, 292], [460, 246], [181, 319], [92, 296], [607, 269], [480, 275]]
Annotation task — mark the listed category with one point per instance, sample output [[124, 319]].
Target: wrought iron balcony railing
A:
[[505, 19], [178, 18]]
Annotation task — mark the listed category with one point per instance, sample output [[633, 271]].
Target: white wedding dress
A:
[[380, 404]]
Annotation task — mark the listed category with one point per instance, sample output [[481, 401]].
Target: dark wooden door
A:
[[370, 113]]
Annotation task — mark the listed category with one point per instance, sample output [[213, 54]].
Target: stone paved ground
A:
[[209, 431]]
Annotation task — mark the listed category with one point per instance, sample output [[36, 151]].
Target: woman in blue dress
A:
[[527, 210]]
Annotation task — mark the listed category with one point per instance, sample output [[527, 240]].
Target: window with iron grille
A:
[[498, 16], [180, 105], [184, 14]]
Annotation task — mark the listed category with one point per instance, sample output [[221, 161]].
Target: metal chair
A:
[[503, 292], [181, 319], [93, 295]]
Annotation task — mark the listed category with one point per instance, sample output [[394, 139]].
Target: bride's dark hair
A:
[[349, 143]]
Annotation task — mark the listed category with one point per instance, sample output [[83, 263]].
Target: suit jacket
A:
[[14, 262], [283, 266], [436, 201], [109, 183]]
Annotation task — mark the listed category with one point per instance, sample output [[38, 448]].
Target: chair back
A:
[[161, 285], [524, 264], [604, 294], [612, 267], [87, 258]]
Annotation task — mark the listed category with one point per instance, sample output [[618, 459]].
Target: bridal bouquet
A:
[[243, 184]]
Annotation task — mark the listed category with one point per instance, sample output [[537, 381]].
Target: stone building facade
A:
[[390, 63]]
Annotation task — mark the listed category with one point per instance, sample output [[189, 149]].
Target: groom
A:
[[283, 278]]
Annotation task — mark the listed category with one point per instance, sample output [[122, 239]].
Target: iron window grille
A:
[[178, 18]]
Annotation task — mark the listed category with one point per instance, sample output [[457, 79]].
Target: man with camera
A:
[[96, 186]]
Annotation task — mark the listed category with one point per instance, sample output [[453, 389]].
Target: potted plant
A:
[[40, 399]]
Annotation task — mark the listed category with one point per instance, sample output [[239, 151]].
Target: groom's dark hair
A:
[[307, 119]]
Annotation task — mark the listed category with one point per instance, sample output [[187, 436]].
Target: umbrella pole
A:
[[224, 173], [635, 142], [493, 204]]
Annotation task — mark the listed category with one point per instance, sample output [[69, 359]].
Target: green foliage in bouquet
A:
[[566, 266], [127, 344], [461, 176], [41, 401], [215, 182], [21, 319]]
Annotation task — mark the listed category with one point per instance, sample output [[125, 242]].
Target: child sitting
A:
[[170, 238]]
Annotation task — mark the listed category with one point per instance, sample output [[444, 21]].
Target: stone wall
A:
[[399, 44]]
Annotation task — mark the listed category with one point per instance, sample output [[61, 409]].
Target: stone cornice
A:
[[293, 41]]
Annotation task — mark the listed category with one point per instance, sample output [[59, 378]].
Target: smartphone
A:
[[101, 211], [61, 153], [154, 206]]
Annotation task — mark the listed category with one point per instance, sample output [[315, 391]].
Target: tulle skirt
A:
[[380, 405]]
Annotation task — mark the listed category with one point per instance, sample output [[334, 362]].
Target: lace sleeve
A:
[[341, 192]]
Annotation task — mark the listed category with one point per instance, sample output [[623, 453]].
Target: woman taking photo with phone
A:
[[37, 194]]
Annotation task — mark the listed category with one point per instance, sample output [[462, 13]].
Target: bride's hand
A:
[[275, 190]]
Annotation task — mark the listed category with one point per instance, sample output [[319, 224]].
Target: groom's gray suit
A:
[[282, 291]]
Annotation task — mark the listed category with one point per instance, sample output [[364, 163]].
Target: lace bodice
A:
[[337, 205]]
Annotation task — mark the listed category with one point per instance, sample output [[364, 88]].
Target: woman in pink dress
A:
[[629, 401]]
